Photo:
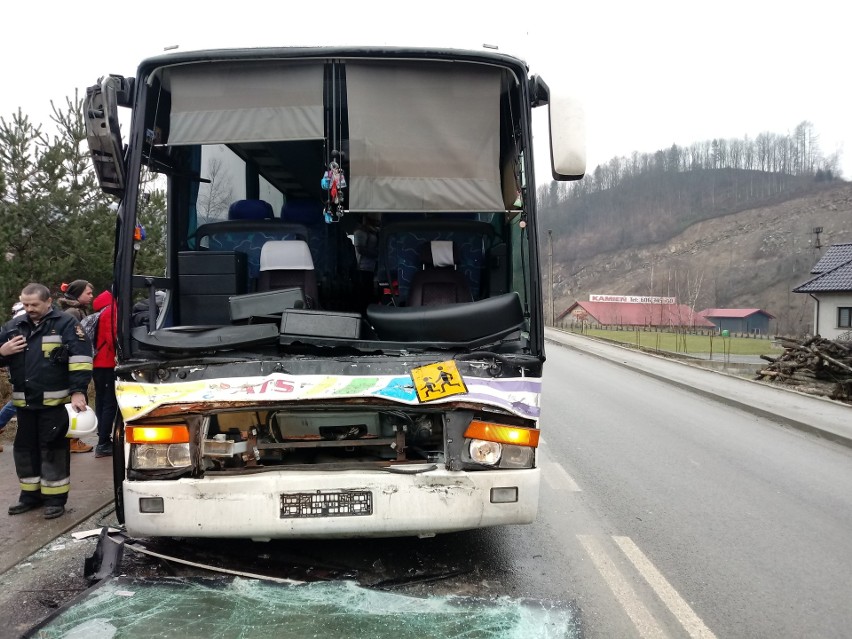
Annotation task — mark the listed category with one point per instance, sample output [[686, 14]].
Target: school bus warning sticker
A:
[[436, 381]]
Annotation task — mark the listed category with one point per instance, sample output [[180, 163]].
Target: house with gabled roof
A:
[[831, 289], [754, 321]]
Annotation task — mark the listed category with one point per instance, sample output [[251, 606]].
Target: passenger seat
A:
[[439, 282], [250, 210], [288, 264]]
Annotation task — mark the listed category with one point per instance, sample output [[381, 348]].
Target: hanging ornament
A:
[[138, 236], [333, 181]]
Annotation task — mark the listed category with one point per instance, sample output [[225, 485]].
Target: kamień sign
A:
[[632, 299]]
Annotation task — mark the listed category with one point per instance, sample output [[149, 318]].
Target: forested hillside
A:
[[718, 224]]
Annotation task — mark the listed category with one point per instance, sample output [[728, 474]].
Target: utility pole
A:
[[550, 245], [816, 231]]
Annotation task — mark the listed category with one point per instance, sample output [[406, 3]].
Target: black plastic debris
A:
[[106, 560]]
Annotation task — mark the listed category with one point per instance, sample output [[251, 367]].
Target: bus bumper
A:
[[299, 504]]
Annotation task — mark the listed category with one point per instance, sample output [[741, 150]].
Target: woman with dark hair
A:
[[76, 298], [75, 301]]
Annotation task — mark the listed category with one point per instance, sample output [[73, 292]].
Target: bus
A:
[[346, 336]]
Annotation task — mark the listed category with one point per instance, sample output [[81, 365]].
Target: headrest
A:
[[302, 211], [439, 253], [250, 210], [286, 255]]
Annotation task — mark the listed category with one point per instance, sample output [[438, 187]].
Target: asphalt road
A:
[[742, 522], [663, 513]]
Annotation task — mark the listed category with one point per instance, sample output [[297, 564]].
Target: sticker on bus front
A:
[[436, 381]]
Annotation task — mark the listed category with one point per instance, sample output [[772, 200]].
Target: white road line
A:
[[638, 613], [680, 609], [555, 475], [558, 478]]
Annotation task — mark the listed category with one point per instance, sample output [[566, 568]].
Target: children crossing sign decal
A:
[[436, 381]]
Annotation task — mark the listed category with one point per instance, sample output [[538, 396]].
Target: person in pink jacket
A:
[[103, 373]]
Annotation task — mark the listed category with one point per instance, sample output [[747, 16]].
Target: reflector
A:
[[504, 495], [157, 434], [503, 434]]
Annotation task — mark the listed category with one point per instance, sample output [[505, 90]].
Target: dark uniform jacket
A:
[[56, 362]]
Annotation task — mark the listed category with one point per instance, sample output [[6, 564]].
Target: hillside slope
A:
[[748, 259]]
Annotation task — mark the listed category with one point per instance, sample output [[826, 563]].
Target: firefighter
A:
[[50, 365]]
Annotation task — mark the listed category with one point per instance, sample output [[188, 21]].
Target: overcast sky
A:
[[649, 73]]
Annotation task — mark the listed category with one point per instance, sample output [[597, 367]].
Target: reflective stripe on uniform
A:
[[55, 490], [58, 487], [30, 484], [80, 366], [51, 339], [56, 398], [57, 482]]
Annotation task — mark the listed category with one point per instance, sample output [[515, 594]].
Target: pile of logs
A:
[[813, 365]]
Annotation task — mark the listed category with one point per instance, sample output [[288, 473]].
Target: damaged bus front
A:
[[346, 337]]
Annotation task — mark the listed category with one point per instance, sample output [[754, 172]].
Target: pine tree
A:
[[55, 222]]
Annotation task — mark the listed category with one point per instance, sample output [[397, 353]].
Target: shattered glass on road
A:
[[242, 608]]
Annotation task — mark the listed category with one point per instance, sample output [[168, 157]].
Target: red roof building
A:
[[615, 314]]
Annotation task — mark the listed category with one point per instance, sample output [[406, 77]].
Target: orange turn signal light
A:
[[156, 434], [502, 434]]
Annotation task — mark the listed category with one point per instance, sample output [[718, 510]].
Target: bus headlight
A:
[[517, 457], [484, 452], [158, 446], [501, 445], [159, 456]]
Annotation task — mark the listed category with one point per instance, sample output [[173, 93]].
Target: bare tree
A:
[[214, 197]]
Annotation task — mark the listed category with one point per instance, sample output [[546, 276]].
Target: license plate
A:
[[349, 503]]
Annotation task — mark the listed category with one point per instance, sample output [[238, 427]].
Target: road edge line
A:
[[794, 423]]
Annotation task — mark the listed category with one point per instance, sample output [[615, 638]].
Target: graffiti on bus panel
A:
[[519, 395]]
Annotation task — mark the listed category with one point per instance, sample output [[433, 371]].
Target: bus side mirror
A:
[[567, 138], [103, 132]]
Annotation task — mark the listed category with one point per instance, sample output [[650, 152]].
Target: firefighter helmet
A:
[[83, 423]]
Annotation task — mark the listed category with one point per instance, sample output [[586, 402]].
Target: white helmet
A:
[[84, 423]]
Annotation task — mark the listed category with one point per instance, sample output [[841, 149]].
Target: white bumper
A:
[[249, 506]]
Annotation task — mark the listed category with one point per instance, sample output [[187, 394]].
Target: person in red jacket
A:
[[103, 372]]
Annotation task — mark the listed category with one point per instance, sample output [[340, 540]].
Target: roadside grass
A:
[[689, 343]]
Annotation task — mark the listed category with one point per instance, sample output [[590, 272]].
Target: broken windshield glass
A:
[[240, 608]]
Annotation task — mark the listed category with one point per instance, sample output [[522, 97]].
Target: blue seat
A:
[[308, 213], [247, 236], [250, 210], [401, 247], [332, 252], [288, 264]]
